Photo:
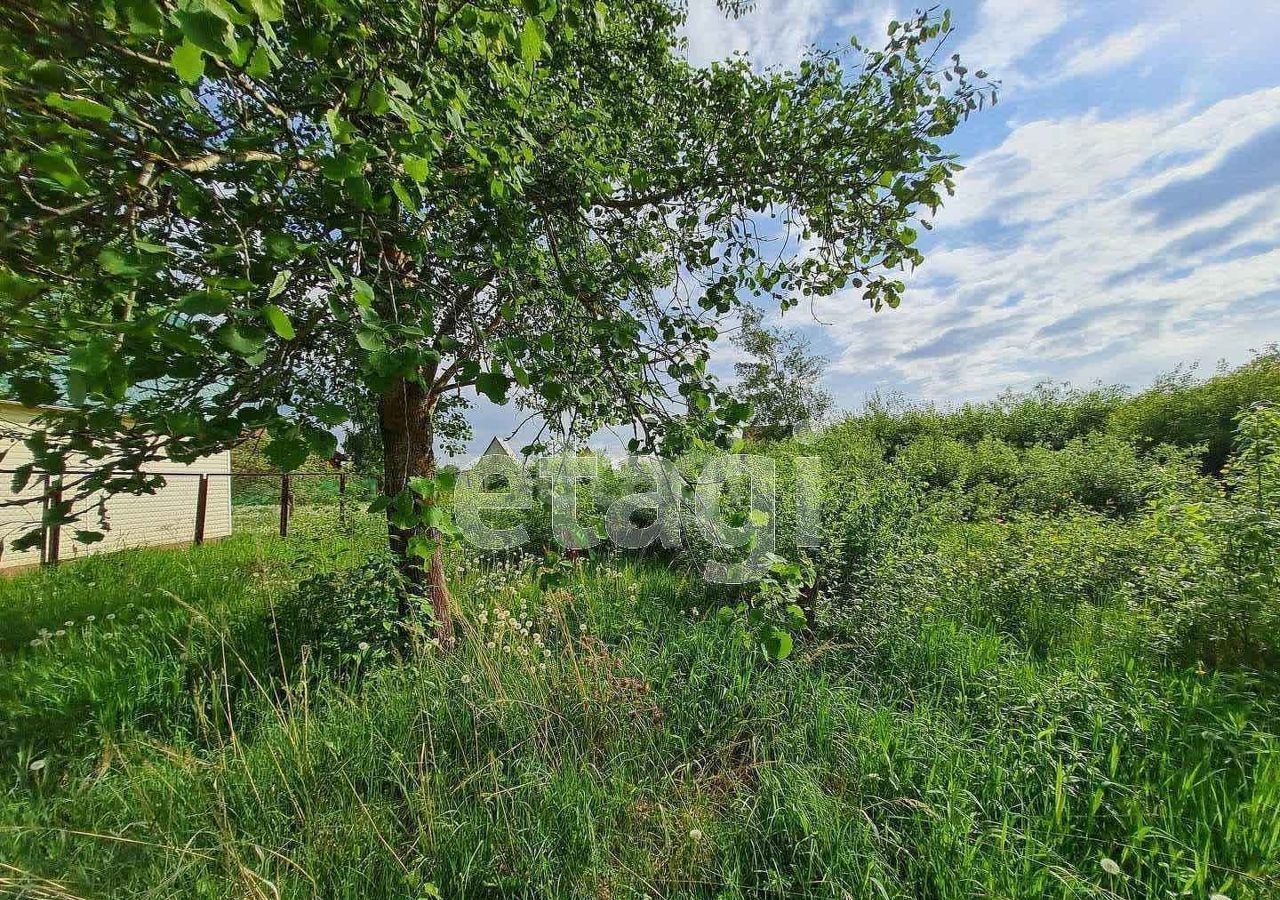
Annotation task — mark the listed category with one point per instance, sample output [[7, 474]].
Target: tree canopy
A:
[[780, 377], [223, 215]]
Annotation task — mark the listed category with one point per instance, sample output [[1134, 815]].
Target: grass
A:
[[186, 747]]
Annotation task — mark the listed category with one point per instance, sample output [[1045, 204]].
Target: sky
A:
[[1119, 213]]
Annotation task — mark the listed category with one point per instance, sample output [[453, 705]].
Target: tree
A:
[[235, 214], [781, 378]]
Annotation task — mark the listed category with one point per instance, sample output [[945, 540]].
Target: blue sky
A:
[[1119, 213]]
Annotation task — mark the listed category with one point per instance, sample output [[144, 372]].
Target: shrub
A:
[[1028, 578], [993, 462], [1052, 415], [1099, 471], [1179, 410], [1209, 587], [348, 618], [934, 460]]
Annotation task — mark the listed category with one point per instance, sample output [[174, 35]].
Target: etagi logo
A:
[[731, 501]]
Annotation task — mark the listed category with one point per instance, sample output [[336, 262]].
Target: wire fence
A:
[[190, 508]]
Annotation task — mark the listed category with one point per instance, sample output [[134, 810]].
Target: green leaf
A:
[[359, 190], [339, 128], [115, 264], [493, 385], [330, 413], [287, 453], [204, 29], [188, 61], [181, 340], [758, 517], [278, 321], [362, 292], [277, 286], [144, 16], [259, 64], [435, 517], [370, 340], [268, 10], [423, 547], [532, 37], [399, 86], [33, 391], [243, 339], [57, 164], [92, 357], [376, 100], [18, 287], [77, 387], [402, 194], [205, 303], [777, 643], [85, 109], [416, 167], [322, 442]]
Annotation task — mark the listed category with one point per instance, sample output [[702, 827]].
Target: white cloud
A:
[[1077, 254], [1008, 30], [1114, 51], [774, 32]]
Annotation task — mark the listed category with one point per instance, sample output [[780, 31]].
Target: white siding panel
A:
[[165, 517], [16, 520]]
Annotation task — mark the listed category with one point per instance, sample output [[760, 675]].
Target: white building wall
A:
[[166, 517]]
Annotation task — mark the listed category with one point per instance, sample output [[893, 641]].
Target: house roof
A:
[[498, 447]]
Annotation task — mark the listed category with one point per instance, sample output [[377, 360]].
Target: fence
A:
[[190, 508]]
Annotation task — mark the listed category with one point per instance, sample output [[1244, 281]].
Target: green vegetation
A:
[[287, 215], [1039, 662]]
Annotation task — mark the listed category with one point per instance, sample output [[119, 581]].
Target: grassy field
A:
[[988, 703]]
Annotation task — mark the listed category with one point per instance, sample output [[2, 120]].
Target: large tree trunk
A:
[[405, 417]]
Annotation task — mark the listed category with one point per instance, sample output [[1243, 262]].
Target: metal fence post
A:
[[202, 506], [44, 518], [286, 500], [55, 531]]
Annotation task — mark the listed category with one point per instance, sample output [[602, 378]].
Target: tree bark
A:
[[406, 419]]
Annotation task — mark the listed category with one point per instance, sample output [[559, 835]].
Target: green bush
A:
[[1099, 471], [1183, 412], [1209, 586], [934, 460], [347, 619]]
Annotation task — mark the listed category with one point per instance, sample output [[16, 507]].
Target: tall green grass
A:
[[1040, 663], [187, 749]]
